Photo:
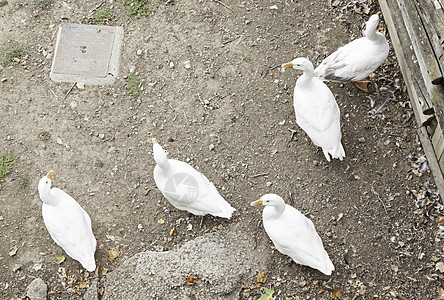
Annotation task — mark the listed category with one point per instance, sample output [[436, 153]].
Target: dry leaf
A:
[[398, 294], [96, 272], [161, 221], [104, 271], [261, 277], [173, 231], [83, 285], [336, 294], [191, 280], [362, 290], [60, 259], [113, 254], [440, 266], [321, 291]]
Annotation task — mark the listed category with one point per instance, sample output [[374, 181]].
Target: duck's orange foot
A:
[[362, 84]]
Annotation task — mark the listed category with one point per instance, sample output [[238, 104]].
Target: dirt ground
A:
[[376, 211]]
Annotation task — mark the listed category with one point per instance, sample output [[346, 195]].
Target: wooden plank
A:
[[438, 143], [411, 73], [432, 20], [428, 65], [431, 157], [413, 80]]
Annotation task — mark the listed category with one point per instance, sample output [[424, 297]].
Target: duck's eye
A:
[[46, 181]]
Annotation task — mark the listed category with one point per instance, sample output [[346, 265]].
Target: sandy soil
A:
[[376, 217]]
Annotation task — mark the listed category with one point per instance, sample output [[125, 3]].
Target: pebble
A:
[[361, 140], [139, 52], [37, 290], [37, 267], [187, 64], [73, 104]]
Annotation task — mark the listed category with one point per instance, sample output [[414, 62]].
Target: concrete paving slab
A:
[[87, 53]]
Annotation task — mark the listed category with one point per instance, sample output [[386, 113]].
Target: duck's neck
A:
[[305, 78], [275, 211], [48, 198], [373, 35], [164, 164]]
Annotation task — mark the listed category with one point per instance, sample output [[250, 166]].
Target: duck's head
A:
[[269, 199], [300, 63], [372, 23], [159, 154], [45, 184]]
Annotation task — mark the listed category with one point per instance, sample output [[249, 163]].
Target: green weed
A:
[[134, 84], [44, 4], [7, 161], [3, 3], [7, 58], [23, 182], [139, 7], [102, 17]]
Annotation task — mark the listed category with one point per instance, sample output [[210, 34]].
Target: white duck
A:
[[68, 224], [186, 188], [317, 112], [358, 59], [293, 234]]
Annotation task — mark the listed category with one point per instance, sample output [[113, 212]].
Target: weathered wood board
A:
[[416, 30]]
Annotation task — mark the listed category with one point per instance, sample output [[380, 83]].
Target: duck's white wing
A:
[[187, 189], [354, 61], [295, 235], [70, 227], [317, 113]]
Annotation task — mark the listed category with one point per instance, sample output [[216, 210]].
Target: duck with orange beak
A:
[[293, 234]]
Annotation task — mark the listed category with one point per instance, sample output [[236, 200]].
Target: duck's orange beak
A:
[[287, 65], [155, 141], [257, 202], [49, 175]]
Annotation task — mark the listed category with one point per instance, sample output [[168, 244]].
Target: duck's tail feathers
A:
[[328, 268], [226, 210], [338, 153]]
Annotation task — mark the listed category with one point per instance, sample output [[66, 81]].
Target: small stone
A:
[[37, 267], [187, 64], [16, 267], [361, 140], [211, 147], [273, 7], [315, 163], [37, 290], [13, 251], [269, 183], [80, 86], [171, 65], [73, 104], [101, 135], [302, 283], [139, 52]]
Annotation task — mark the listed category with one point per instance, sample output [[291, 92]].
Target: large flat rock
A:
[[220, 261]]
